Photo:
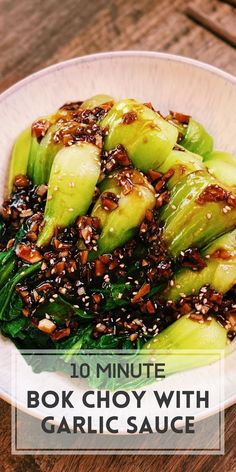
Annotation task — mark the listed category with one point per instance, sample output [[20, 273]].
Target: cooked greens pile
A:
[[119, 231]]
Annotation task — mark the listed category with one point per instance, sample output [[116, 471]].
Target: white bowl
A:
[[168, 81]]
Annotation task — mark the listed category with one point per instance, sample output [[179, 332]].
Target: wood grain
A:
[[36, 33]]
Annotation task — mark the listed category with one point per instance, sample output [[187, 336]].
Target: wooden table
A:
[[36, 33]]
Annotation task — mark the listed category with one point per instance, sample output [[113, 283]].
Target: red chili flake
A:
[[113, 265], [216, 297], [231, 200], [192, 258], [133, 337], [83, 257], [129, 117], [86, 234], [221, 254], [22, 291], [180, 117], [159, 185], [59, 267], [28, 254], [163, 198], [143, 227], [40, 128], [26, 312], [125, 181], [84, 221], [154, 175], [196, 317], [35, 221], [169, 174], [145, 263], [212, 193], [109, 201], [99, 268], [120, 155], [185, 308], [144, 290], [149, 215], [97, 298], [62, 333], [10, 243], [5, 212], [215, 193], [21, 181], [31, 236], [150, 307], [105, 259]]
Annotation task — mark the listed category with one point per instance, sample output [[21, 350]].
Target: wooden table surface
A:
[[36, 33]]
